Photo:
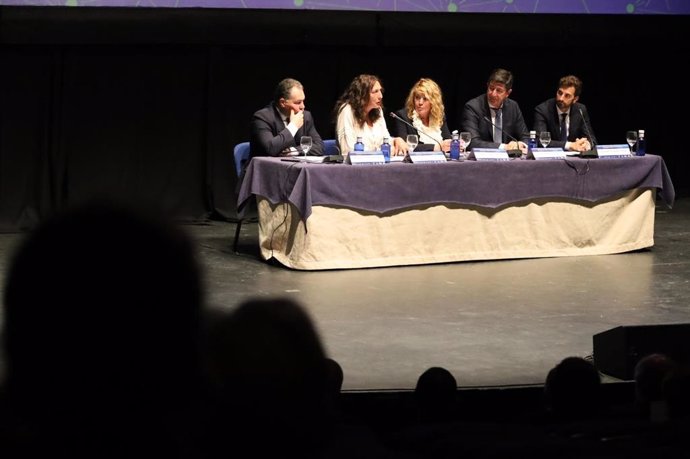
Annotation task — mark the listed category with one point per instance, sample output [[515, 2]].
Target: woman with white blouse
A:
[[359, 113]]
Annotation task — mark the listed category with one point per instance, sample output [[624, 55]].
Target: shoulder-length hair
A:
[[357, 95], [428, 88]]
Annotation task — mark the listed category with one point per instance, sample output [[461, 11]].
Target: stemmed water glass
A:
[[631, 138], [465, 139], [545, 138], [305, 144], [412, 142]]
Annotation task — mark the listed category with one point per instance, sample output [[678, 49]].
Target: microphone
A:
[[394, 115], [592, 153], [511, 153]]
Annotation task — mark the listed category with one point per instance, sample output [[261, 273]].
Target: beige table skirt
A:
[[339, 238]]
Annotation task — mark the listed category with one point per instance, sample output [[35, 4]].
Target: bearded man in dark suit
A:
[[566, 118]]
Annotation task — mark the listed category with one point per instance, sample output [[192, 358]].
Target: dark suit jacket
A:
[[269, 136], [473, 121], [546, 119], [400, 129]]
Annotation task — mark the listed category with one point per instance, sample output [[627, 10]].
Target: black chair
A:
[[242, 157]]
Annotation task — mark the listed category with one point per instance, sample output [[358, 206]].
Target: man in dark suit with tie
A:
[[492, 118], [563, 117], [277, 128]]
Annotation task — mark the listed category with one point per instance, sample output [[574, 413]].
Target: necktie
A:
[[564, 128], [498, 126]]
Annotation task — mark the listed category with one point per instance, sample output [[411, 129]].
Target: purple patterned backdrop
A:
[[451, 6]]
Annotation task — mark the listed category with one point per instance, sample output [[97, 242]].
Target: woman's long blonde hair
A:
[[429, 89]]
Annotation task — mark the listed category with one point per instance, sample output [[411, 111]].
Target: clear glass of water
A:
[[305, 144], [465, 139], [412, 142], [631, 138], [545, 138]]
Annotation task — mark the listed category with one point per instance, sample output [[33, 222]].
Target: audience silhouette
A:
[[268, 379], [101, 312], [334, 385], [106, 357], [334, 377], [572, 390], [650, 373], [435, 395]]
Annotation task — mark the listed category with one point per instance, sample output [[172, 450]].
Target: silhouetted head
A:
[[267, 348], [266, 368], [572, 388], [650, 373], [435, 394], [101, 312]]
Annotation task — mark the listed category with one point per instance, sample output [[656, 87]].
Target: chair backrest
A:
[[330, 147], [241, 153]]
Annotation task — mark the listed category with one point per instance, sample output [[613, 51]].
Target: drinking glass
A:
[[545, 138], [412, 142], [465, 139], [631, 138], [305, 144]]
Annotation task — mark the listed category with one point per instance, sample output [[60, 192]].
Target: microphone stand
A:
[[591, 153]]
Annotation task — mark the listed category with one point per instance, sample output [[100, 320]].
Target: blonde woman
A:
[[425, 112]]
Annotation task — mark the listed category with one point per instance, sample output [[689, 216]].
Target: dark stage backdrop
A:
[[146, 104]]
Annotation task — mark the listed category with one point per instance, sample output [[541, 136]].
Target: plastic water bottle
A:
[[386, 149], [455, 146], [532, 141], [359, 145], [641, 144]]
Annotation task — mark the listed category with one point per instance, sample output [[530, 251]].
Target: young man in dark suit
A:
[[566, 118]]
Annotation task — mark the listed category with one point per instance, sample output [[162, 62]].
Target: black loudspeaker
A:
[[617, 351]]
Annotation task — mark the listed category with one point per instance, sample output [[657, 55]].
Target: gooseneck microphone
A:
[[512, 153], [592, 153], [394, 115]]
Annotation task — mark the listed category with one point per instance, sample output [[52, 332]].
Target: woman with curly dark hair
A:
[[359, 113]]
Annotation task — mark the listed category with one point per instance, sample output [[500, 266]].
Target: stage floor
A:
[[492, 323]]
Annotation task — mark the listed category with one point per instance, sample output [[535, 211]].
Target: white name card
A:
[[547, 153], [614, 151], [365, 157], [488, 154], [309, 159], [419, 157]]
